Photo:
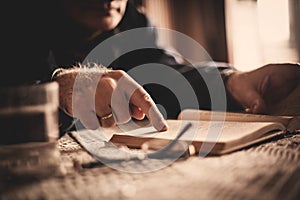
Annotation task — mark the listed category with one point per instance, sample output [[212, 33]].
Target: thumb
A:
[[255, 103]]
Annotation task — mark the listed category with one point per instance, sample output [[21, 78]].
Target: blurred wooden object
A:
[[202, 20], [294, 9], [29, 113], [24, 163], [29, 134]]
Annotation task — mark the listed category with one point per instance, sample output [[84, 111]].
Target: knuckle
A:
[[145, 98], [120, 73], [117, 74], [107, 84]]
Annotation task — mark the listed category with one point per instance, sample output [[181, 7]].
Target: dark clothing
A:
[[60, 48]]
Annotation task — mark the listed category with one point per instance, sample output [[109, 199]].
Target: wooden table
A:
[[266, 171]]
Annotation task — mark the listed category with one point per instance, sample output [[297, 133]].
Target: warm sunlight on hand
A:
[[271, 89]]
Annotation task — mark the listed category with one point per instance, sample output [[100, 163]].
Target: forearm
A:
[[65, 79], [81, 78]]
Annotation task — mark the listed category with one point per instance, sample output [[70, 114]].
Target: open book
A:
[[211, 133]]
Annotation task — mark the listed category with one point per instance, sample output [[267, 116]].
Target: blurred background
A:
[[245, 33]]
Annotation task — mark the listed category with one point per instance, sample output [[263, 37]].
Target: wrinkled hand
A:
[[271, 89], [106, 99]]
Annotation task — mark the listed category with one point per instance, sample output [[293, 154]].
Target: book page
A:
[[206, 115], [294, 124], [201, 131], [205, 136]]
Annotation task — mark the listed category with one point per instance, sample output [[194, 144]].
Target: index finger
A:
[[142, 99], [138, 96]]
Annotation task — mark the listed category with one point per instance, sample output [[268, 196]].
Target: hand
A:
[[271, 89], [106, 98]]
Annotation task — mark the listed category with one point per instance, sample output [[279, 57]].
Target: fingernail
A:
[[164, 128], [161, 126]]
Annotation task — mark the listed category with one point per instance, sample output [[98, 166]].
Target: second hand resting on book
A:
[[272, 89]]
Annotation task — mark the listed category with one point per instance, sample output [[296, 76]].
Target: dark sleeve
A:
[[206, 79], [175, 86]]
